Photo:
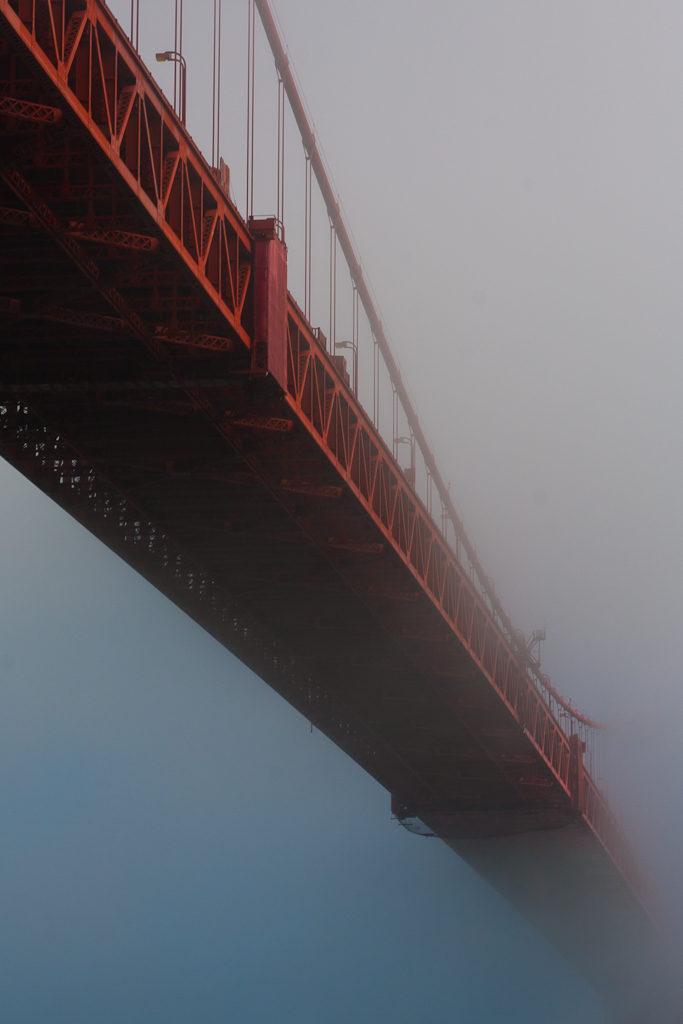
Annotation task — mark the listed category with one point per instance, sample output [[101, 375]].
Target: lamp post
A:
[[135, 23], [354, 348], [409, 471], [173, 55]]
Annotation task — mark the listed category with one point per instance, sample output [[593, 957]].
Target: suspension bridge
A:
[[162, 385]]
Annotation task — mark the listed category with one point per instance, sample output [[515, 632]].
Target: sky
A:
[[178, 846]]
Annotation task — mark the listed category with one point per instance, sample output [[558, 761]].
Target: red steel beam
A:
[[25, 111], [107, 89]]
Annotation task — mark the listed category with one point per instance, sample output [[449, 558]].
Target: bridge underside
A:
[[258, 572], [566, 888], [204, 475]]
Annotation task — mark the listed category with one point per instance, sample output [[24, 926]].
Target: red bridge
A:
[[159, 382]]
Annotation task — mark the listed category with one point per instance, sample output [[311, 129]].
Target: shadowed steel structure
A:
[[159, 382]]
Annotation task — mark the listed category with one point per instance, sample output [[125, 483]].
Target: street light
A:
[[173, 55], [409, 471], [354, 348]]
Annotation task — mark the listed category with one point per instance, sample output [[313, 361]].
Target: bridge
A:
[[162, 385]]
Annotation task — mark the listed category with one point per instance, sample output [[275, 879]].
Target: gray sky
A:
[[177, 846]]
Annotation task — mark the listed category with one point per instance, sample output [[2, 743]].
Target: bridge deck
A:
[[134, 390]]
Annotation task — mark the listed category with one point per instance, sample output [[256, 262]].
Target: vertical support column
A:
[[576, 772], [270, 299]]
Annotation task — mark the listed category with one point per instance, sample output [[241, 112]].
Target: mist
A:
[[178, 845]]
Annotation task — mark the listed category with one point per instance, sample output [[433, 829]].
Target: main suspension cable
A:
[[343, 236]]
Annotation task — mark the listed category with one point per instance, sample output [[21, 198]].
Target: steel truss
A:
[[241, 500]]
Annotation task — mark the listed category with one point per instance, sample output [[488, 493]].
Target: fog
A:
[[178, 846]]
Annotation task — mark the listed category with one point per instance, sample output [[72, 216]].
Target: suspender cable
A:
[[354, 339], [375, 382], [280, 150], [355, 269], [179, 73], [216, 107], [135, 23], [308, 238], [213, 87], [333, 288], [251, 53]]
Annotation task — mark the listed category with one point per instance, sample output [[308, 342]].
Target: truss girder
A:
[[101, 85], [277, 517]]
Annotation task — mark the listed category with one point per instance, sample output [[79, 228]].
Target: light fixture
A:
[[177, 58], [354, 348]]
